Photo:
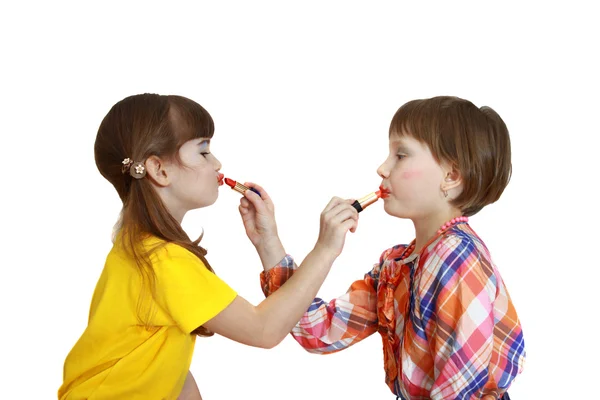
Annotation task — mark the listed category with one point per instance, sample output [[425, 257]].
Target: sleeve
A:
[[272, 280], [458, 317], [338, 324], [187, 290]]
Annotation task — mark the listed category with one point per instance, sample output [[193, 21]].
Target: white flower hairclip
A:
[[135, 168]]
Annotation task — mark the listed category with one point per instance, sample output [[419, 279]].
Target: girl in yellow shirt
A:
[[157, 291]]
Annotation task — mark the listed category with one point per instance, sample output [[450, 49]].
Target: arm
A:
[[459, 317], [190, 389], [337, 325], [268, 323]]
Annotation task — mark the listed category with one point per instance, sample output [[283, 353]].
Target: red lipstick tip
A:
[[230, 182]]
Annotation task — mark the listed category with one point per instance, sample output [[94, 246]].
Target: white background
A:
[[302, 95]]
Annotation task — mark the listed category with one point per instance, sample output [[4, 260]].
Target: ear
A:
[[157, 171], [452, 178]]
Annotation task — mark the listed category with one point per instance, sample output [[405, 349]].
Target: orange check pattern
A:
[[448, 326]]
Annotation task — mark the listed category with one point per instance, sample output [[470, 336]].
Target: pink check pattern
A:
[[448, 326]]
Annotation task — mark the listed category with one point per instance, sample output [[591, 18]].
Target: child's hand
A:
[[258, 215], [337, 218]]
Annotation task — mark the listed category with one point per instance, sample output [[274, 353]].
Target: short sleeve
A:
[[187, 290]]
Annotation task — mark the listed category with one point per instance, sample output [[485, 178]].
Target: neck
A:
[[173, 206], [426, 228]]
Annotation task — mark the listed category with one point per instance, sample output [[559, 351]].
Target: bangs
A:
[[189, 120], [420, 120]]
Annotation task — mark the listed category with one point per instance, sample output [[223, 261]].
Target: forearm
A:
[[282, 310], [327, 327], [270, 252], [330, 327]]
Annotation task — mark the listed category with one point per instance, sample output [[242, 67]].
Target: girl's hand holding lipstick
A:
[[258, 216], [338, 217]]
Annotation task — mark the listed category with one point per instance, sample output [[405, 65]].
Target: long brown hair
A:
[[474, 140], [138, 127]]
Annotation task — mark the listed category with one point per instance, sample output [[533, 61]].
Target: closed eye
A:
[[204, 154]]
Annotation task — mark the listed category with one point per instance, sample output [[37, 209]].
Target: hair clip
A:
[[135, 168], [126, 164]]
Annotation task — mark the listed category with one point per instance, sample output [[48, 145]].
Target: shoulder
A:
[[163, 253], [456, 249], [458, 241], [459, 254]]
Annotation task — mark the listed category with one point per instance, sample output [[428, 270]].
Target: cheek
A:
[[197, 176], [411, 174], [208, 175]]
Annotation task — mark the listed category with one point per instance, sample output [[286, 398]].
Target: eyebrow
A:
[[400, 146]]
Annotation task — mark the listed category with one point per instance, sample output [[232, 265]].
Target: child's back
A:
[[122, 356]]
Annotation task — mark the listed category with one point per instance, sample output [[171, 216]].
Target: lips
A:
[[383, 192], [220, 179]]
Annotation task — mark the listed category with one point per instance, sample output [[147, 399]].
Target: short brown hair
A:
[[474, 140]]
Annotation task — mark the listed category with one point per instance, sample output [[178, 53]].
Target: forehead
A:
[[193, 144], [404, 141]]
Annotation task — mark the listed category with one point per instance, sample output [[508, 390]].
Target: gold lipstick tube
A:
[[240, 188], [366, 201]]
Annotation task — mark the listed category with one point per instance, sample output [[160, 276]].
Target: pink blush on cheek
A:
[[411, 174]]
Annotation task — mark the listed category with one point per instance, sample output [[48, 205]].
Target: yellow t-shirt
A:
[[117, 357]]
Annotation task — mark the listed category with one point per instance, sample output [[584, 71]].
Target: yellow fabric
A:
[[117, 357]]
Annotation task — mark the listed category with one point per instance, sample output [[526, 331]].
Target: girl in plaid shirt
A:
[[448, 325]]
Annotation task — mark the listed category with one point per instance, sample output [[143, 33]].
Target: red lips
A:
[[382, 193]]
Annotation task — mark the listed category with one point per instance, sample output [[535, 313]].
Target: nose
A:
[[383, 171], [217, 164]]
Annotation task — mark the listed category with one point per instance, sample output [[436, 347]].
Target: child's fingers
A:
[[263, 193], [354, 226], [332, 203], [244, 202], [350, 225], [342, 211], [256, 200]]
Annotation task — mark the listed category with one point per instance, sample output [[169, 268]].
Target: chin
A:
[[394, 212], [389, 209], [210, 203], [206, 202]]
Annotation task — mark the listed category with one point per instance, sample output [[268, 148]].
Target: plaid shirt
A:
[[448, 326]]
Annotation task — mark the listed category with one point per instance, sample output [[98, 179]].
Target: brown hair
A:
[[138, 127], [474, 140]]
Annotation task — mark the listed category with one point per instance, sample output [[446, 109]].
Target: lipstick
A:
[[371, 198], [238, 187]]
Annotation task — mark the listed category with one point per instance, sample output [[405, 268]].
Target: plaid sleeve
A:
[[476, 339], [333, 326], [272, 280]]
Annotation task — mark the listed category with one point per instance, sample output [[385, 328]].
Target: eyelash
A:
[[205, 154]]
